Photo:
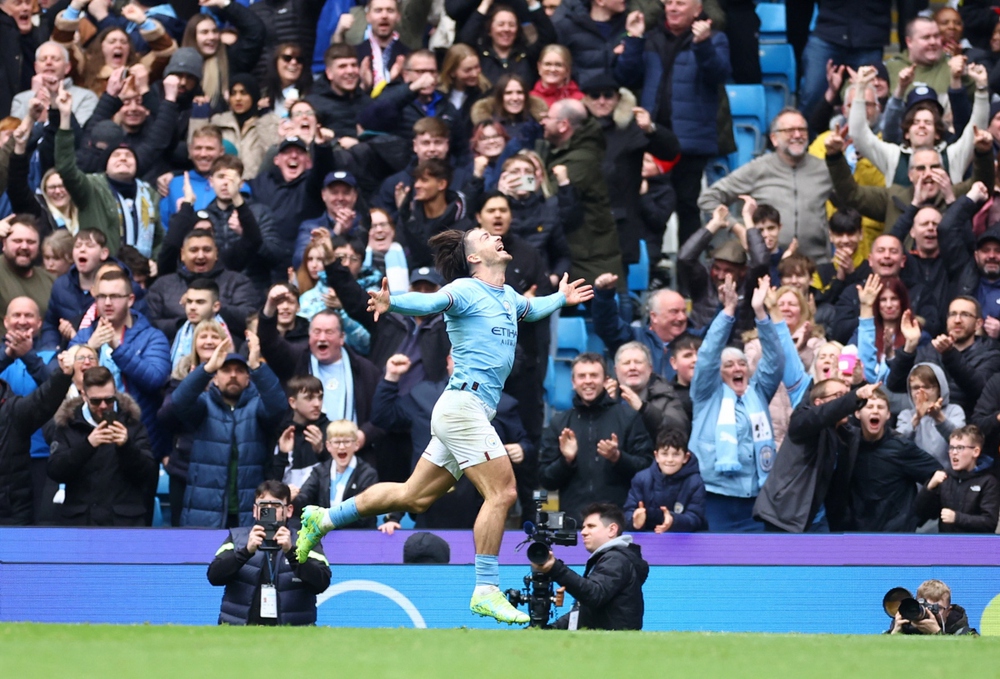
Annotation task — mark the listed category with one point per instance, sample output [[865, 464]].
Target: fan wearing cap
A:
[[243, 125], [628, 133], [228, 399], [116, 202], [922, 127], [124, 105], [292, 188], [928, 180], [345, 214], [728, 259]]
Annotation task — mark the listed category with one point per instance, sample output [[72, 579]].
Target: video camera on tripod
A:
[[549, 528]]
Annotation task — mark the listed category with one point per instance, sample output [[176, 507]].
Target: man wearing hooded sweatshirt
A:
[[609, 593], [114, 202], [429, 208]]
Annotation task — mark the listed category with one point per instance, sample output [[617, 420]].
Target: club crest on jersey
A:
[[506, 308], [492, 441]]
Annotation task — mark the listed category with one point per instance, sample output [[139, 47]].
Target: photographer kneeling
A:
[[937, 615], [609, 593], [265, 583]]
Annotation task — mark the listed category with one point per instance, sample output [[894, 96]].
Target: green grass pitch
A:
[[105, 651]]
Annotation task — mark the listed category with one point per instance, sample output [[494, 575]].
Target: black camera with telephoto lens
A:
[[899, 600], [549, 528]]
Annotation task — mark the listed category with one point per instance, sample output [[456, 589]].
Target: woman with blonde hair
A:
[[555, 66], [462, 84], [207, 336], [800, 335]]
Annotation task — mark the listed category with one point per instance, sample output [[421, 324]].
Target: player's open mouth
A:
[[500, 246]]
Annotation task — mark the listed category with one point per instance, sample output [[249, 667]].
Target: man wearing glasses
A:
[[136, 352], [796, 183], [264, 586], [968, 357], [100, 450]]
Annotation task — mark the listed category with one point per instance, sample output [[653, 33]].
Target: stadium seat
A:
[[773, 28], [163, 483], [558, 385], [777, 65], [158, 514], [638, 273], [748, 106], [594, 343], [571, 337]]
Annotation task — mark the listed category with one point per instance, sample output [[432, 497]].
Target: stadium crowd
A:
[[199, 197]]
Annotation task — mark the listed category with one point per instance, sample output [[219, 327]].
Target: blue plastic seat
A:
[[558, 384], [777, 66], [157, 514], [748, 107], [163, 483], [572, 337], [638, 273], [773, 26]]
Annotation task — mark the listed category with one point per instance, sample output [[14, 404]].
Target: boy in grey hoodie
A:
[[931, 418]]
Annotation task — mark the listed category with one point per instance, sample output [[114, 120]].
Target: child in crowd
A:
[[965, 499], [683, 359], [317, 296], [341, 475], [669, 495], [300, 445], [931, 418], [57, 252]]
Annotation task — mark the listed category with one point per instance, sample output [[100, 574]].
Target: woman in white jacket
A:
[[922, 127]]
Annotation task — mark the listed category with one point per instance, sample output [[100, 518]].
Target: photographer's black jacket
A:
[[242, 573], [610, 590]]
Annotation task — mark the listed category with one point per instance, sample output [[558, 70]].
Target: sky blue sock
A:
[[487, 570], [344, 513]]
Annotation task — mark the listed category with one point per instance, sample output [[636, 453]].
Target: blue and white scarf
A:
[[185, 338], [727, 438], [338, 399]]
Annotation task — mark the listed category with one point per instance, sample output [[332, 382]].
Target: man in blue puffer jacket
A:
[[232, 404], [136, 353], [685, 63], [732, 434]]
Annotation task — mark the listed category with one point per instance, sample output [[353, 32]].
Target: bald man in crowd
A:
[[667, 321]]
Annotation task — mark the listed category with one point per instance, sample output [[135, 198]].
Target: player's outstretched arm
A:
[[568, 294], [409, 304]]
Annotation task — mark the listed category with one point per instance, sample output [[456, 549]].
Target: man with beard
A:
[[383, 52], [875, 483], [968, 361], [796, 183], [231, 423], [930, 184], [18, 277]]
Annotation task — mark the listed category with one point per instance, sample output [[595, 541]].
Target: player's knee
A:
[[506, 496], [420, 504]]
